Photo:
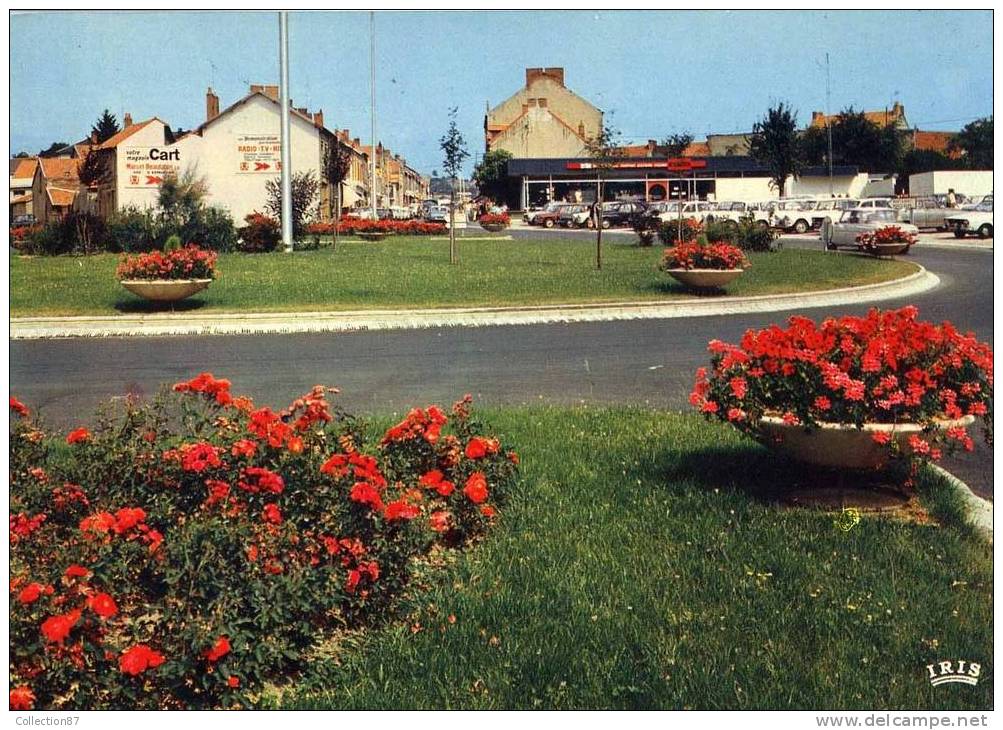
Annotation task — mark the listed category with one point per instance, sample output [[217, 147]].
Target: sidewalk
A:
[[173, 324]]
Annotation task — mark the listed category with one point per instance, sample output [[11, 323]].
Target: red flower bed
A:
[[885, 236], [190, 262], [349, 226], [186, 551], [494, 219], [694, 255], [887, 367]]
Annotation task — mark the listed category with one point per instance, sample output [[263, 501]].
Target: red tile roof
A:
[[697, 149], [123, 135], [59, 197], [59, 168], [25, 168], [935, 141]]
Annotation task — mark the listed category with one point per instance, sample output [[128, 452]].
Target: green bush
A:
[[210, 228], [750, 236], [173, 243], [133, 230], [669, 231], [73, 233], [186, 552], [260, 235]]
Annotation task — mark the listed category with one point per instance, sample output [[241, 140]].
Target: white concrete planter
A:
[[371, 235], [704, 278], [840, 445], [887, 249], [165, 290], [494, 227]]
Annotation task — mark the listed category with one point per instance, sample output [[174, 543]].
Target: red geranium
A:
[[138, 659], [103, 605], [18, 407], [30, 593], [695, 255], [272, 514], [22, 698], [57, 628], [78, 435], [219, 650], [476, 488]]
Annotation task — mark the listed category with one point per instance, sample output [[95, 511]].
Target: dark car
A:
[[621, 213]]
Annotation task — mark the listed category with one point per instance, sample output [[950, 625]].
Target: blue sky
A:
[[654, 72]]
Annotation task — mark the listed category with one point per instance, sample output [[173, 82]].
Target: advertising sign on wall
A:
[[261, 153], [145, 167]]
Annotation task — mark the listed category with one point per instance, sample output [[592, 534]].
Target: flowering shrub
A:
[[669, 234], [190, 262], [18, 234], [695, 255], [494, 219], [885, 236], [887, 367], [349, 226], [183, 552], [261, 234]]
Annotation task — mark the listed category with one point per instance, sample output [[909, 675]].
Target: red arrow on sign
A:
[[261, 166], [153, 180]]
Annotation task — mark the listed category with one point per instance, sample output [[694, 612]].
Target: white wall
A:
[[967, 182], [216, 156], [743, 188], [851, 186]]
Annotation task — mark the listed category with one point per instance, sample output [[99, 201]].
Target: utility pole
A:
[[286, 142], [372, 110], [828, 121]]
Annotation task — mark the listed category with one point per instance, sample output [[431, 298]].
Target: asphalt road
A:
[[647, 362]]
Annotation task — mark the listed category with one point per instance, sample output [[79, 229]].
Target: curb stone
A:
[[978, 511], [153, 325]]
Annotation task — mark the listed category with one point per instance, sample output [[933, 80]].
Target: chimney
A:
[[355, 141], [127, 120], [554, 74], [318, 118], [269, 90], [211, 105]]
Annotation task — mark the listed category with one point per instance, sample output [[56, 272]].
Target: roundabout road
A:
[[646, 362]]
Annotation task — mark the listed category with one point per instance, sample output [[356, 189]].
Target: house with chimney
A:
[[54, 188], [544, 119]]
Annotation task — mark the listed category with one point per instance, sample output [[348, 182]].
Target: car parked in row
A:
[[576, 216], [855, 221], [621, 213], [968, 222], [830, 209], [546, 216]]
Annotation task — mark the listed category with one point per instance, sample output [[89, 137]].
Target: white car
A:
[[669, 210], [978, 221], [831, 209], [727, 211], [853, 222], [793, 215]]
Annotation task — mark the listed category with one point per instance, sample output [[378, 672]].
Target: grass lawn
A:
[[636, 567], [408, 272]]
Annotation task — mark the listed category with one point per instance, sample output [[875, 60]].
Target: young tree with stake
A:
[[605, 150], [454, 151]]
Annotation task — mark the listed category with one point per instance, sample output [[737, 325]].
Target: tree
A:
[[491, 174], [91, 169], [21, 155], [337, 164], [53, 148], [676, 144], [304, 189], [605, 149], [975, 140], [454, 152], [106, 127], [775, 144], [858, 141], [181, 197]]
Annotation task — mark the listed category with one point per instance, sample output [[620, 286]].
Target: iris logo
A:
[[960, 671]]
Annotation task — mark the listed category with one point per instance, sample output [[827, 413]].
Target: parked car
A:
[[621, 213], [830, 209], [669, 210], [928, 212], [437, 214], [793, 215], [546, 217], [26, 219], [576, 216], [855, 221], [978, 221]]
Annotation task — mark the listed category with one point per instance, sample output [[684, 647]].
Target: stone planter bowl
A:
[[372, 235], [494, 227], [704, 278], [165, 290], [887, 249], [841, 445]]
